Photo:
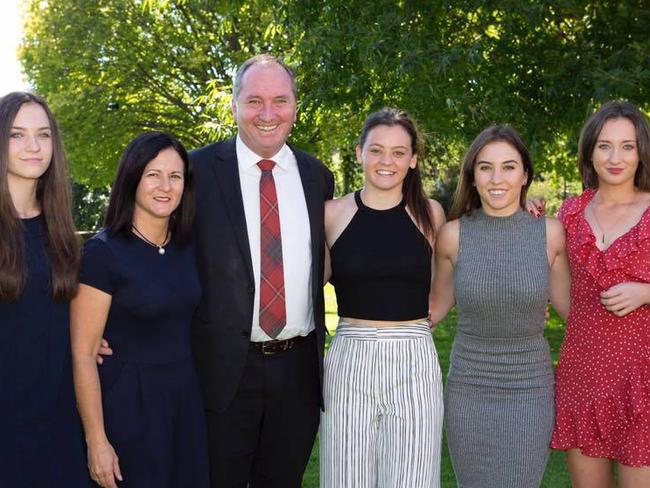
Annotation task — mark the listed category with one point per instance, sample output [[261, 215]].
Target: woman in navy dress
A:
[[40, 433], [142, 410]]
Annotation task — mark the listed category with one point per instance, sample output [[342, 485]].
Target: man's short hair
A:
[[261, 59]]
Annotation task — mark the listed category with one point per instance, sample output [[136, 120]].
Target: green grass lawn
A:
[[556, 475]]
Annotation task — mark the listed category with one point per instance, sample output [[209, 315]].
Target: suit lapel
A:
[[226, 173]]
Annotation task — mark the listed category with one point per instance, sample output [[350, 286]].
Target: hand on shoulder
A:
[[536, 207]]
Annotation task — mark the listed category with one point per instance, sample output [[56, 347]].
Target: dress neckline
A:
[[33, 225], [590, 194], [361, 206], [499, 221]]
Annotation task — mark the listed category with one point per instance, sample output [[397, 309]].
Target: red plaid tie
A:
[[273, 314]]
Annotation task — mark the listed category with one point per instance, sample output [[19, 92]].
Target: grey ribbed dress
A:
[[499, 396]]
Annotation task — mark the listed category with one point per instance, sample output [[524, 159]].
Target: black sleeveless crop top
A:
[[381, 266]]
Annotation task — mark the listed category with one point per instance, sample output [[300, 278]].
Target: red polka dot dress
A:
[[603, 377]]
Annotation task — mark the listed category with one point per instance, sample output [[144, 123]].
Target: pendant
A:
[[161, 251]]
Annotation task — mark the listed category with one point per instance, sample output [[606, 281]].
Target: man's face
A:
[[265, 108]]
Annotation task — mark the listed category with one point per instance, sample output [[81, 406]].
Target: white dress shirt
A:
[[296, 237]]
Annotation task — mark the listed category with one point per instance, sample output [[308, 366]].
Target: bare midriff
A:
[[381, 323]]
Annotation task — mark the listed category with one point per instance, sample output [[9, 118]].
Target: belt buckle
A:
[[267, 350]]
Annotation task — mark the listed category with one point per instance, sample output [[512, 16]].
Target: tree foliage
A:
[[112, 69], [460, 66]]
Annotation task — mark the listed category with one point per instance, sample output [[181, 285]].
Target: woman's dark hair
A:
[[416, 202], [54, 198], [466, 197], [591, 131], [142, 150]]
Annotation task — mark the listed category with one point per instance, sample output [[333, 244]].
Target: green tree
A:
[[114, 68], [89, 206], [460, 66]]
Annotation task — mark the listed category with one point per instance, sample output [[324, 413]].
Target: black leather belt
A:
[[269, 348]]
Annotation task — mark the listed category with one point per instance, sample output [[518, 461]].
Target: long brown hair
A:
[[466, 197], [591, 131], [416, 202], [54, 197]]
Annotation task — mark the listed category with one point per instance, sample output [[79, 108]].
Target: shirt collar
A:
[[246, 158]]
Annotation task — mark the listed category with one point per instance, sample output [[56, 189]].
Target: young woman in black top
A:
[[383, 397]]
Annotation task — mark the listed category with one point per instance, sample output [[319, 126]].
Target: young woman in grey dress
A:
[[499, 265]]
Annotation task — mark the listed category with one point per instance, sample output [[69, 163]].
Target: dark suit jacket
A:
[[221, 327]]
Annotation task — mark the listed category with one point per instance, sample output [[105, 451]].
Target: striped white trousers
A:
[[382, 424]]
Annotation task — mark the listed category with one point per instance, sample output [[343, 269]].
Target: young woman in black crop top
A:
[[383, 397]]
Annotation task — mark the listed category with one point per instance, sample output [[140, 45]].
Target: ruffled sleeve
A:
[[640, 249], [571, 209]]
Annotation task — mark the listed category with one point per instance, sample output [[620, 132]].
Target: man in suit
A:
[[259, 330]]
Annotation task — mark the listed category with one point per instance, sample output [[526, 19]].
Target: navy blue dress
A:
[[40, 433], [153, 410]]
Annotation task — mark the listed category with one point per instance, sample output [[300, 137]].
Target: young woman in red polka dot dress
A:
[[603, 377]]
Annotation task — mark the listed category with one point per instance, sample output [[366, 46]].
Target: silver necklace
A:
[[592, 207], [161, 247], [598, 225]]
